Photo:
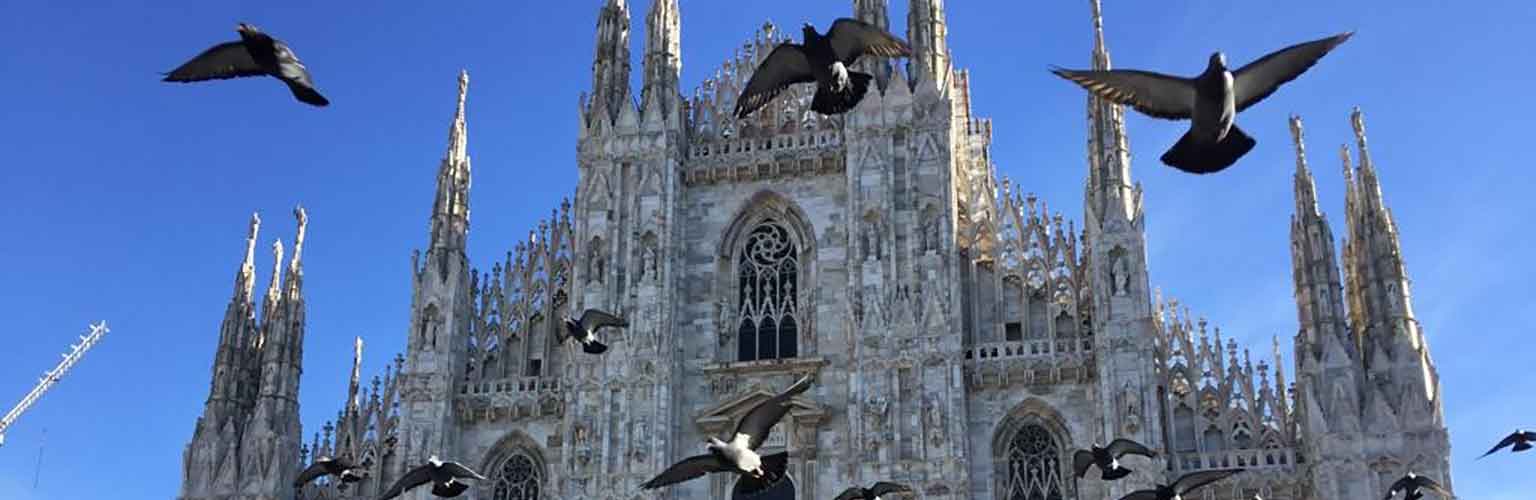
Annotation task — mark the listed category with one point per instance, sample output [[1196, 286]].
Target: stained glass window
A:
[[768, 277], [517, 478], [1034, 466]]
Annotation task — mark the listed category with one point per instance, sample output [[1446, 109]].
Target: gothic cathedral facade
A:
[[964, 339]]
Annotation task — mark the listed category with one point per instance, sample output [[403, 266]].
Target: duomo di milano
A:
[[964, 340]]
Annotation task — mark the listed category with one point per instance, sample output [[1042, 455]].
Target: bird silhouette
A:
[[255, 54], [1184, 485], [1107, 458], [585, 329], [823, 59], [1520, 438], [1211, 101], [876, 492], [444, 477], [1410, 485], [739, 455], [342, 468]]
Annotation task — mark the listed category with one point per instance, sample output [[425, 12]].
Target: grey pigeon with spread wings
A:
[[739, 455], [1411, 484], [585, 329], [342, 468], [1211, 101], [1520, 438], [824, 60], [1184, 485], [444, 477], [1107, 458], [254, 54], [877, 492]]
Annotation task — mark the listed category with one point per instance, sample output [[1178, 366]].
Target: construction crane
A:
[[52, 376]]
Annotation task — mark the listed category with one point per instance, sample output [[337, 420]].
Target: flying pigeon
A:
[[1211, 101], [342, 468], [255, 54], [1521, 439], [1107, 458], [444, 477], [585, 329], [825, 61], [1184, 485], [739, 455], [876, 492], [1410, 485]]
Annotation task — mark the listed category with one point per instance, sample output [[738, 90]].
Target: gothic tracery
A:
[[768, 270]]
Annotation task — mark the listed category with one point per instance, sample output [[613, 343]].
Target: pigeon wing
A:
[[594, 319], [883, 488], [315, 470], [1431, 485], [456, 469], [220, 62], [785, 66], [760, 420], [1153, 94], [1508, 440], [1142, 495], [1193, 480], [1122, 447], [851, 38], [293, 72], [853, 493], [1259, 79], [689, 468], [1081, 461], [416, 477]]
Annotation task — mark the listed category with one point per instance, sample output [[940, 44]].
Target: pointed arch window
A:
[[1034, 466], [768, 276], [517, 478]]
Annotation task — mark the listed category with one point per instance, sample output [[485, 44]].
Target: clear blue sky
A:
[[126, 199]]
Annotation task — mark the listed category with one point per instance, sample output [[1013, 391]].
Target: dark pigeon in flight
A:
[[341, 468], [825, 61], [1410, 485], [876, 492], [444, 477], [255, 54], [1521, 439], [739, 455], [585, 329], [1187, 483], [1211, 101], [1107, 458]]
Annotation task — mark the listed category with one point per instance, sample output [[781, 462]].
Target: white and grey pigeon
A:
[[1184, 485], [1108, 458], [739, 455], [824, 60], [444, 477], [343, 469], [1520, 438], [1410, 485], [585, 329], [1211, 101], [880, 491], [254, 54]]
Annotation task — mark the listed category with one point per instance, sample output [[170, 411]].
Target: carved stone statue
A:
[[1120, 276], [649, 266]]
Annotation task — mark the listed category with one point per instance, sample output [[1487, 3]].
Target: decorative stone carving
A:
[[1120, 275]]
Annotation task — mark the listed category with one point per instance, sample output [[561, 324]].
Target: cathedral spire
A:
[[1305, 186], [450, 210], [928, 34], [245, 278], [874, 12], [1370, 186], [277, 274], [610, 63], [1110, 191], [663, 60]]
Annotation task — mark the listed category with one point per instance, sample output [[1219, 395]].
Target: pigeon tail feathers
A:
[[833, 102], [594, 347], [308, 95], [774, 465], [1521, 447], [1115, 473], [449, 490], [1193, 157]]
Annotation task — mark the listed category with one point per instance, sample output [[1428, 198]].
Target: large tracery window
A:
[[1034, 466], [768, 291], [517, 478]]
